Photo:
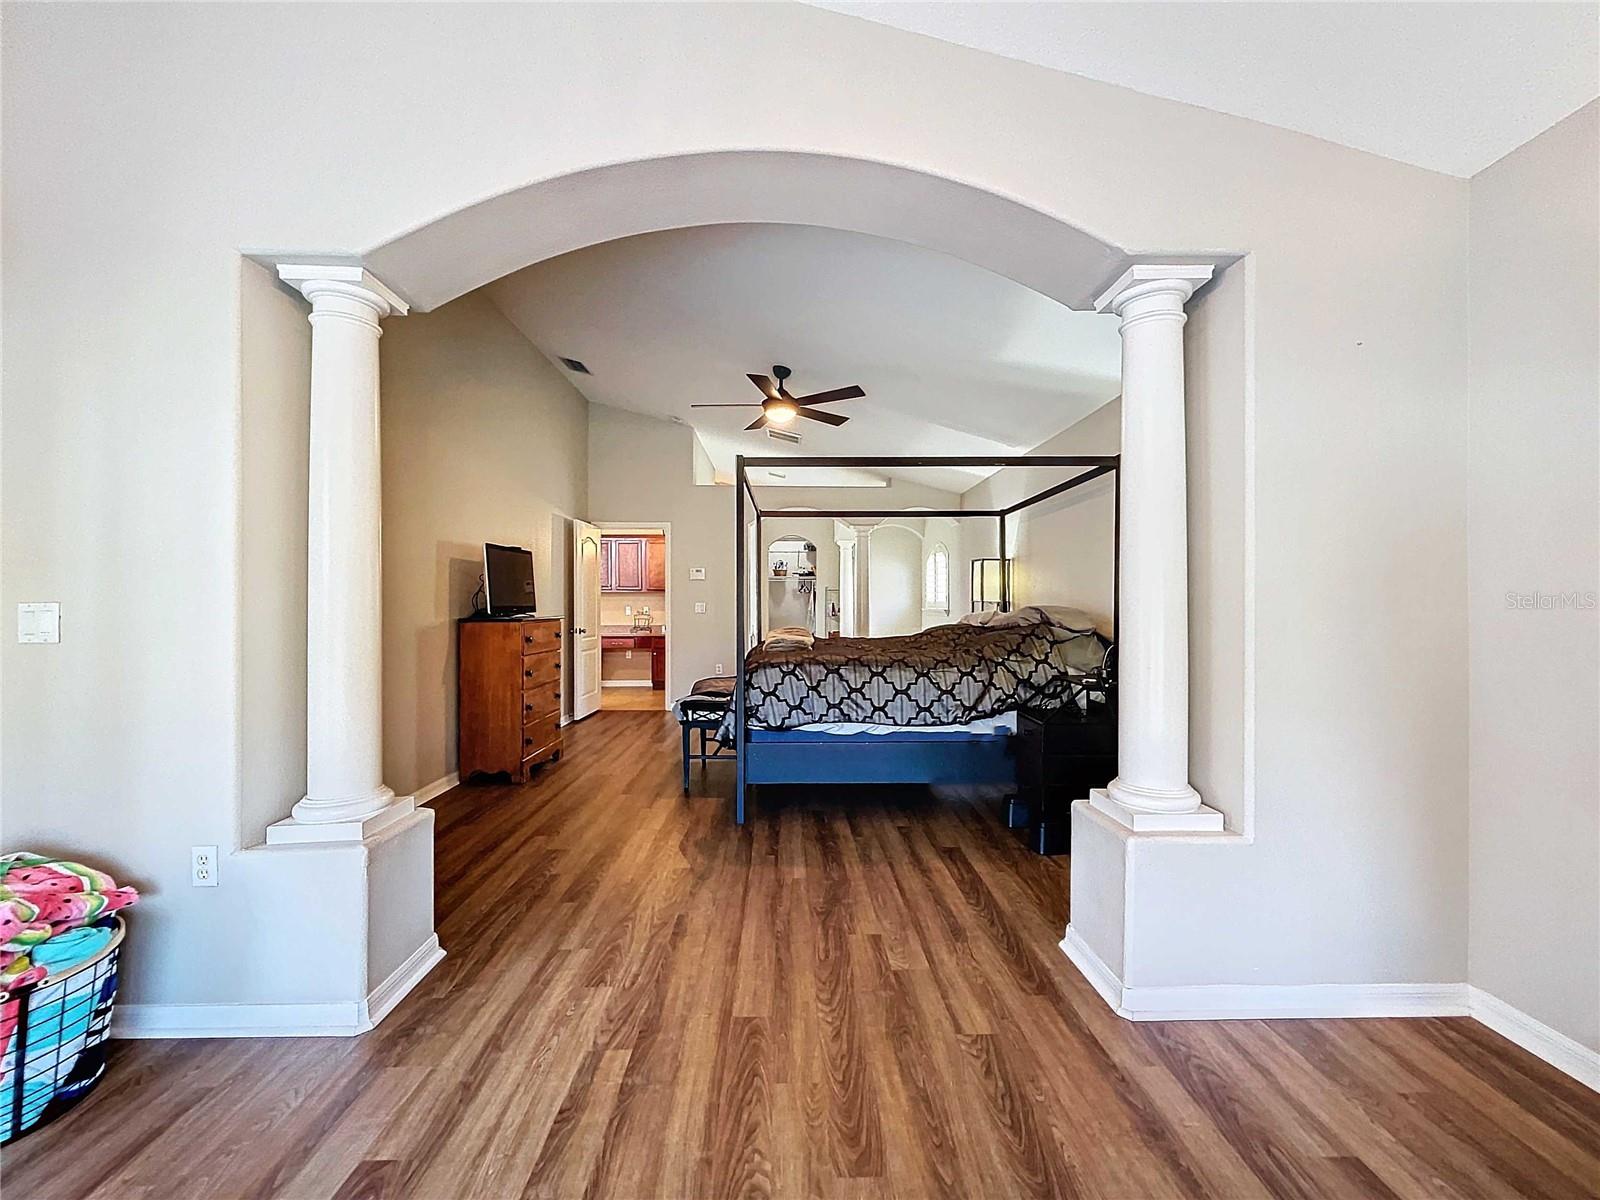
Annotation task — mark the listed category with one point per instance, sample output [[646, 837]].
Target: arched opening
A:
[[457, 252], [462, 251]]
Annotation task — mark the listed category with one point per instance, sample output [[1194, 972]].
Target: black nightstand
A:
[[1061, 755]]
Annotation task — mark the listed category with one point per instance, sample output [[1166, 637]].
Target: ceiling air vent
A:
[[783, 435], [575, 366]]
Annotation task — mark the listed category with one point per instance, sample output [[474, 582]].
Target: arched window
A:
[[936, 580]]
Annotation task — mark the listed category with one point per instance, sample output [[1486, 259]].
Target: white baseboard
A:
[[432, 791], [1257, 1001], [1093, 968], [235, 1020], [605, 683], [336, 1019], [1244, 1002], [1537, 1038]]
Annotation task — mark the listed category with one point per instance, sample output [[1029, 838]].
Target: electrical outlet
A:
[[699, 606], [627, 654], [719, 669], [697, 572], [203, 866], [627, 610]]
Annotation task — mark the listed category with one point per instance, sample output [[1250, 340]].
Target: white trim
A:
[[432, 791], [235, 1020], [1561, 1052], [335, 1019], [382, 999], [1255, 1001], [1093, 968], [605, 683], [1249, 1001]]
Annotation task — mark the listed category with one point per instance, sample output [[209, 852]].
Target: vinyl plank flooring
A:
[[858, 996]]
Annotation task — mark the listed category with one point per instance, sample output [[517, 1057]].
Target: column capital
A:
[[335, 287], [1173, 284]]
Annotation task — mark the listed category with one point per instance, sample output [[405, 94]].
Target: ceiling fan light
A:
[[780, 413]]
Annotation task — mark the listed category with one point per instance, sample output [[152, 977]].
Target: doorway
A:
[[623, 638]]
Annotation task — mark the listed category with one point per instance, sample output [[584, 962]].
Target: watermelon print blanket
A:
[[42, 898]]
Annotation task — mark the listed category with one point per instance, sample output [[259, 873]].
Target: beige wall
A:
[[275, 410], [614, 606], [894, 579], [641, 472], [1535, 779], [1352, 313], [483, 441], [1063, 548]]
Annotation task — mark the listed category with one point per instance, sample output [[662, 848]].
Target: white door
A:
[[585, 620]]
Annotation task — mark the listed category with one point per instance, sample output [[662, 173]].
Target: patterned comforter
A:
[[948, 675]]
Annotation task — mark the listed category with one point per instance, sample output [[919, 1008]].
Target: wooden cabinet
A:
[[633, 564], [509, 700], [654, 644], [655, 564], [627, 567]]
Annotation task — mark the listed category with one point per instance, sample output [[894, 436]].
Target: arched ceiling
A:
[[954, 359]]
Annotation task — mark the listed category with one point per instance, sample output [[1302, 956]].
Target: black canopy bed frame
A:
[[909, 755]]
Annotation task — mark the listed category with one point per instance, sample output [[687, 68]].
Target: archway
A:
[[466, 249]]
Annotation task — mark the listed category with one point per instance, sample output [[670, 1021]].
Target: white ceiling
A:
[[1450, 87], [954, 359]]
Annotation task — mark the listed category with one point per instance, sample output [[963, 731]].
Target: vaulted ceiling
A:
[[954, 359], [1447, 86]]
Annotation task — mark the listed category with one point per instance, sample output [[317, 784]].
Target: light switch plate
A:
[[697, 572], [39, 623], [699, 606]]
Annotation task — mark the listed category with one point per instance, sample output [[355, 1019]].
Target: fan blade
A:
[[845, 393], [759, 423], [827, 418], [764, 382], [752, 404]]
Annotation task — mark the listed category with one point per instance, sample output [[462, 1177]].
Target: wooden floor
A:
[[857, 996], [633, 699]]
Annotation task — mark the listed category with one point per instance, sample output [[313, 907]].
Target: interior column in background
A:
[[1152, 789], [346, 797]]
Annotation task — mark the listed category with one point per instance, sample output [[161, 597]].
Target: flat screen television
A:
[[507, 580]]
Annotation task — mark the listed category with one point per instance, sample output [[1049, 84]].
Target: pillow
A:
[[790, 637], [1074, 620], [979, 618], [1027, 615], [1062, 617]]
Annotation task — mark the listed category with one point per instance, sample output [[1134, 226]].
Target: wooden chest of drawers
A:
[[509, 702]]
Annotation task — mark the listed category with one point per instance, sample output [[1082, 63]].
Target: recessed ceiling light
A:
[[575, 366]]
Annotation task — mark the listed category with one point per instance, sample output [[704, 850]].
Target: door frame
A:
[[613, 527], [575, 608]]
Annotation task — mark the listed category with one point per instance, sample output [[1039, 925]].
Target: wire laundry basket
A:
[[53, 1039]]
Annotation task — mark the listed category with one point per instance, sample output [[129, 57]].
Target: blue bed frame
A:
[[789, 756]]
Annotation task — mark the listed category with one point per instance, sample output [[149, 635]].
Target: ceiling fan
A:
[[780, 408]]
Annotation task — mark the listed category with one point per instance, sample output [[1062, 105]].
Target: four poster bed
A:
[[936, 707]]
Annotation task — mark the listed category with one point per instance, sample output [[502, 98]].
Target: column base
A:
[[291, 831], [1198, 820]]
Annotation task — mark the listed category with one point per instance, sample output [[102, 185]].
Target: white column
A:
[[1152, 789], [345, 797]]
